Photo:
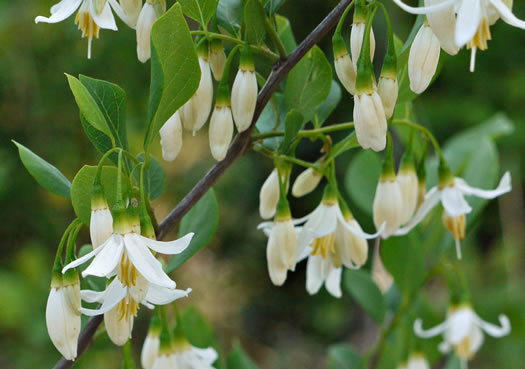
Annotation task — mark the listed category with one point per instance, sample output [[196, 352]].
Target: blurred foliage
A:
[[278, 327]]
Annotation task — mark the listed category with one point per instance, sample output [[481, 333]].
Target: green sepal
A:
[[146, 226], [57, 279], [389, 69], [421, 168], [98, 200], [70, 277], [347, 213], [445, 175], [203, 49], [283, 212], [223, 95], [407, 162], [246, 62], [388, 171], [155, 324], [166, 342], [120, 218], [216, 45], [329, 194], [339, 46], [360, 12]]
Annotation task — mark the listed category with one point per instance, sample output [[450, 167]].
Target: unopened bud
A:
[[221, 131], [370, 121], [101, 222], [388, 91], [344, 68], [171, 137], [217, 59], [408, 183], [388, 206], [306, 182], [380, 275], [269, 196], [423, 59], [145, 22], [244, 93], [356, 41]]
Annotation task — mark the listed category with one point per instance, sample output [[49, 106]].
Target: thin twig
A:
[[238, 148]]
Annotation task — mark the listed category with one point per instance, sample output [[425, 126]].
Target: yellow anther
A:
[[86, 24], [481, 37], [324, 245]]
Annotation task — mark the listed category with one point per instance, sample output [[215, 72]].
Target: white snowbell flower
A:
[[244, 92], [269, 195], [388, 205], [148, 15], [351, 250], [356, 41], [451, 193], [188, 356], [171, 137], [344, 68], [151, 346], [197, 109], [221, 131], [92, 15], [101, 221], [463, 331], [131, 9], [217, 59], [473, 19], [423, 59], [317, 239], [388, 91], [282, 244], [417, 360], [380, 275], [370, 120], [409, 186], [63, 316], [306, 182]]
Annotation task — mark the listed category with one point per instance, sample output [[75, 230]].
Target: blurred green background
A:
[[278, 327]]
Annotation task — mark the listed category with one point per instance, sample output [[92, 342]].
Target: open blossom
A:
[[92, 15], [465, 22], [452, 197], [463, 331], [188, 356]]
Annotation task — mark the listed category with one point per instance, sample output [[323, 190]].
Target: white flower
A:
[[388, 91], [131, 9], [388, 205], [187, 356], [244, 98], [346, 71], [423, 59], [306, 182], [356, 41], [196, 111], [150, 349], [63, 316], [221, 131], [380, 275], [269, 195], [316, 240], [452, 197], [148, 15], [370, 121], [171, 137], [91, 16], [217, 59], [463, 331], [101, 222], [417, 361], [472, 24], [409, 186]]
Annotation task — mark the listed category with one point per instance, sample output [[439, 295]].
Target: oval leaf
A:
[[361, 179], [200, 10], [361, 286], [154, 177]]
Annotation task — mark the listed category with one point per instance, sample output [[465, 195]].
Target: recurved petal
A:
[[60, 11], [454, 202], [113, 294], [105, 19], [507, 14], [492, 329], [432, 332], [431, 200], [170, 247], [107, 259], [91, 254], [315, 274], [443, 25], [207, 355], [468, 20], [504, 186], [333, 281], [161, 295], [424, 9]]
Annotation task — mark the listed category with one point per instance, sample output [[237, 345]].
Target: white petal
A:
[[89, 255], [146, 263], [507, 15], [356, 230], [121, 14], [314, 274], [469, 18], [92, 296], [63, 325], [504, 186], [108, 258], [459, 325], [161, 295], [431, 200], [476, 339], [113, 294], [150, 351], [454, 202], [443, 24], [424, 9], [432, 332], [60, 11], [144, 24], [208, 355], [119, 330], [170, 247], [105, 19], [277, 269], [333, 282], [494, 330]]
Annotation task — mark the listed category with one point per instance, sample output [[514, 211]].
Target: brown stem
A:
[[238, 148]]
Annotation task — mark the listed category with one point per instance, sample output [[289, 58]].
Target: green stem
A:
[[275, 38], [306, 132], [256, 49], [58, 257], [71, 243], [422, 129], [106, 156], [129, 363], [343, 18]]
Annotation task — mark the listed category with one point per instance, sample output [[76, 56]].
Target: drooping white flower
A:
[[101, 221], [356, 41], [92, 15], [417, 360], [472, 21], [344, 68], [306, 182], [148, 15], [63, 316], [217, 59], [171, 137], [451, 193], [221, 131], [131, 9], [244, 92], [388, 91], [423, 59], [370, 120], [388, 205], [188, 356], [151, 346], [269, 195], [463, 331], [409, 186], [380, 275]]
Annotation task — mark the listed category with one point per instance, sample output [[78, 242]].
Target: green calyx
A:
[[223, 96], [166, 342], [246, 62], [446, 178], [216, 46], [389, 69], [339, 46], [146, 227], [202, 49], [57, 280], [98, 199], [155, 325], [121, 221], [283, 210], [347, 214], [407, 163], [71, 277], [360, 12], [366, 80], [388, 173], [330, 195], [159, 6]]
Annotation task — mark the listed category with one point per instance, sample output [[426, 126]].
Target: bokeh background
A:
[[278, 327]]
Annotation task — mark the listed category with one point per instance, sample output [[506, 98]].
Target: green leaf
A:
[[196, 329], [83, 185], [200, 10], [154, 177], [285, 33], [202, 219], [101, 142], [343, 356], [254, 18], [175, 71], [361, 286], [229, 16], [308, 84], [331, 102], [362, 177], [88, 106], [293, 123], [44, 173], [272, 6], [111, 100], [238, 359]]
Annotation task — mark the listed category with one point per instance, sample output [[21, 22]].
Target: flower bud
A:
[[244, 92], [101, 222], [197, 109], [423, 59], [380, 275], [306, 182], [171, 137], [357, 33], [132, 10], [221, 131], [443, 24], [370, 121], [145, 21], [417, 360], [217, 59], [388, 91], [150, 349], [351, 250], [344, 68], [269, 196], [62, 315], [408, 183]]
